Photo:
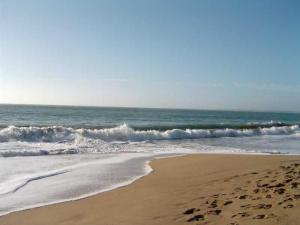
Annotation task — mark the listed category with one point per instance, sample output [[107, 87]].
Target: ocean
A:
[[51, 154]]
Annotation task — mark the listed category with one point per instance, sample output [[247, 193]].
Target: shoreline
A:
[[120, 185], [148, 170], [155, 166]]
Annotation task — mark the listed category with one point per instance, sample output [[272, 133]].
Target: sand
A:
[[193, 189]]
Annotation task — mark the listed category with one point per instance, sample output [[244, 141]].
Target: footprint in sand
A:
[[215, 196], [196, 218], [227, 202], [279, 191], [257, 198], [256, 190], [268, 196], [288, 206], [261, 185], [214, 212], [295, 185], [296, 196], [243, 196], [263, 206], [289, 177], [260, 216], [276, 185], [264, 216], [246, 206], [288, 180], [189, 211], [213, 204], [242, 214]]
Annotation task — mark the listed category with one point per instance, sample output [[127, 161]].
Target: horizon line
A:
[[167, 108]]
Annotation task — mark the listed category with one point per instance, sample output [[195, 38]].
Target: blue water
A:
[[101, 117], [27, 130], [57, 153]]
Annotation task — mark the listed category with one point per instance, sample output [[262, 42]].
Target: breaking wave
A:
[[125, 133]]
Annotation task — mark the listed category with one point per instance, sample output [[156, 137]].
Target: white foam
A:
[[35, 141], [15, 184], [125, 133], [96, 175]]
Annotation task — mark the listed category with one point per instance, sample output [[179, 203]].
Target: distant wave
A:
[[165, 127], [125, 133], [207, 126]]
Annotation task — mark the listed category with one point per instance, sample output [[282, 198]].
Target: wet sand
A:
[[193, 189]]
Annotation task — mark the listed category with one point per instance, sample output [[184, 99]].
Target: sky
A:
[[203, 54]]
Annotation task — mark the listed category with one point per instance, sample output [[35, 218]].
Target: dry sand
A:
[[193, 189]]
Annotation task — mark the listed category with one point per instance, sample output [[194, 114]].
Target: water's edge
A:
[[146, 171]]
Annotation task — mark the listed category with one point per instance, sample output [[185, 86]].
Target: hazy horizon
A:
[[208, 55], [163, 108]]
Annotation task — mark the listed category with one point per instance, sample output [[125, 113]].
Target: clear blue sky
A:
[[206, 54]]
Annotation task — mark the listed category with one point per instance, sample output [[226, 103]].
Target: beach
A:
[[149, 112], [191, 189], [55, 154]]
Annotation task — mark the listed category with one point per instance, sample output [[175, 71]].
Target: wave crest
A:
[[126, 133]]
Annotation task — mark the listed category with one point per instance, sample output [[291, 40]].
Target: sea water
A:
[[51, 154]]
